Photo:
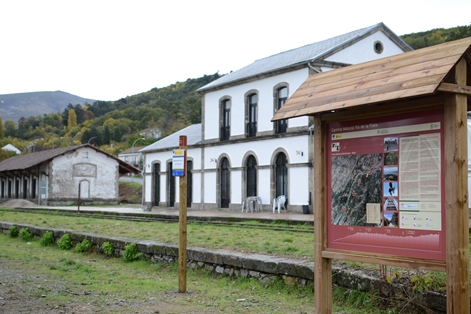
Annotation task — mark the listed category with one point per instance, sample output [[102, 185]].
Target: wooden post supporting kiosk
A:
[[391, 165]]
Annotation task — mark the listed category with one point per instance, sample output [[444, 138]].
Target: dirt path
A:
[[21, 292]]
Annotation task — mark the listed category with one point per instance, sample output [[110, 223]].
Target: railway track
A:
[[298, 227]]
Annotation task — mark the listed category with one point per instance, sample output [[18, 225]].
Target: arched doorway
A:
[[281, 175], [225, 184], [189, 183], [171, 186], [156, 179], [251, 176]]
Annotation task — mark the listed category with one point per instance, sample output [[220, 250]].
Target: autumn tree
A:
[[72, 119]]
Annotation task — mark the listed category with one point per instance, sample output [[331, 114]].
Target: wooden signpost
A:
[[179, 168]]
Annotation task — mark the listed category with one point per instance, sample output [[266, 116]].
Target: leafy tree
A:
[[80, 113], [106, 135], [53, 120], [2, 131], [3, 155], [10, 128], [71, 119], [85, 137]]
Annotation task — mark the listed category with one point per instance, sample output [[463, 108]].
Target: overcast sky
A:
[[107, 50]]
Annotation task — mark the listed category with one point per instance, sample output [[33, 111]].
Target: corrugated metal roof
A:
[[193, 136], [415, 73], [27, 161], [308, 53]]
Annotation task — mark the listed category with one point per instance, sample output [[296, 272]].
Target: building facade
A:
[[55, 176], [239, 152]]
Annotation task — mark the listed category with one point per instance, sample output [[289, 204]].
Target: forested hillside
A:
[[436, 36], [113, 125]]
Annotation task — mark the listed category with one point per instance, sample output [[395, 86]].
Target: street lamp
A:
[[134, 157], [92, 139]]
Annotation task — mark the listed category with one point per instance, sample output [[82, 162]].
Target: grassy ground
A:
[[270, 242], [275, 243], [88, 282]]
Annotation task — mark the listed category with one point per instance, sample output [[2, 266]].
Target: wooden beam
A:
[[467, 56], [396, 261], [454, 88], [456, 197], [402, 106], [322, 266]]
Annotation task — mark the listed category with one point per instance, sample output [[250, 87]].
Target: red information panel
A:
[[387, 185]]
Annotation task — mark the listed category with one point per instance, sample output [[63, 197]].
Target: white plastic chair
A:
[[279, 202], [254, 203]]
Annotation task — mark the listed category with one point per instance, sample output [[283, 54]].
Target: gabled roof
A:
[[28, 161], [193, 137], [415, 73], [131, 150], [11, 148], [310, 53]]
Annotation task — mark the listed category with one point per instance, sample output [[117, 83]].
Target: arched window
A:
[[225, 113], [251, 176], [281, 175], [281, 97], [252, 101], [225, 184]]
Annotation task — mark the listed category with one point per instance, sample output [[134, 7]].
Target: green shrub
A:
[[107, 248], [13, 232], [131, 253], [25, 235], [65, 243], [47, 239], [83, 246]]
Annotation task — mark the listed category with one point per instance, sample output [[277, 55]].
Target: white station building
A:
[[237, 152]]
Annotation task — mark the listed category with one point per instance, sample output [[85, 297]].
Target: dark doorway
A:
[[251, 176], [156, 174], [3, 188], [33, 188], [281, 176], [171, 186], [9, 188], [25, 188], [17, 188], [225, 184], [189, 183]]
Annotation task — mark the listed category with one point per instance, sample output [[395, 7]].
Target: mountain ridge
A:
[[17, 105]]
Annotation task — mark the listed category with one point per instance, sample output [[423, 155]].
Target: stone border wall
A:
[[261, 267]]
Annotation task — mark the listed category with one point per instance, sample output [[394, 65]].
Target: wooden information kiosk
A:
[[390, 165]]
